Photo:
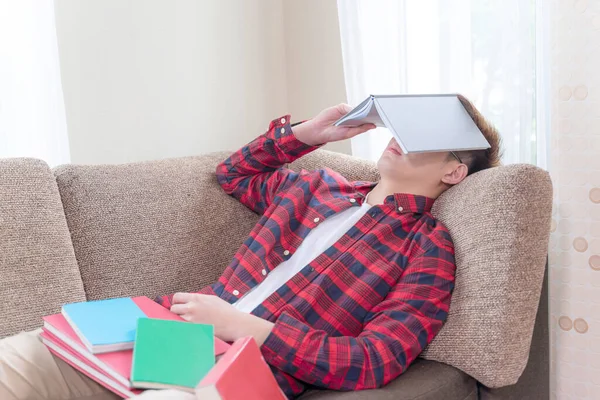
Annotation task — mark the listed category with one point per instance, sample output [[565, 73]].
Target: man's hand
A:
[[230, 324], [320, 129]]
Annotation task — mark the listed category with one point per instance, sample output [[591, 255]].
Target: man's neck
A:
[[385, 188]]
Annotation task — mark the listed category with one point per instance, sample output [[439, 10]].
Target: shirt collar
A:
[[402, 202], [413, 203]]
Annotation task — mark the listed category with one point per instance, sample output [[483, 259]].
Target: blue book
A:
[[104, 325]]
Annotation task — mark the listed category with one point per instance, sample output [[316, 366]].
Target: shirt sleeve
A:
[[255, 174], [394, 334]]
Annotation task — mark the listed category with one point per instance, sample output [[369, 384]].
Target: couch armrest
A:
[[424, 380]]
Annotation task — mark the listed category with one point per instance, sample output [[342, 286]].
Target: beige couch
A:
[[92, 232]]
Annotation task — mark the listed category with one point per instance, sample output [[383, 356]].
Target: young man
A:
[[341, 283]]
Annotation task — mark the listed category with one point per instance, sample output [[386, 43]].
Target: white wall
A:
[[151, 79], [314, 65]]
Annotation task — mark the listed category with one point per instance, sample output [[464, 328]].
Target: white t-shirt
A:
[[316, 242]]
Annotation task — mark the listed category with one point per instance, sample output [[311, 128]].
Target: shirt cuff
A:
[[165, 301], [280, 130], [285, 341]]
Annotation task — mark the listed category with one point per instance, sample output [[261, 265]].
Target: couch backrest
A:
[[499, 220], [38, 270], [151, 228]]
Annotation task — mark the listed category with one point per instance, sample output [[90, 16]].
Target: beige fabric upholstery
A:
[[151, 228], [499, 220], [535, 381], [37, 264]]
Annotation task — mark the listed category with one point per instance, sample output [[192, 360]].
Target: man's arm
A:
[[395, 331], [255, 174]]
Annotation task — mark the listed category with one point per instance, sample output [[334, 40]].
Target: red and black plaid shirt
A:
[[362, 311]]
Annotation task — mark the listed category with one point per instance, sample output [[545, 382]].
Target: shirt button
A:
[[352, 200], [236, 293], [400, 209], [283, 120], [316, 220], [264, 272], [286, 252], [282, 130]]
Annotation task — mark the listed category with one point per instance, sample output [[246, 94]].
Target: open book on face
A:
[[420, 123]]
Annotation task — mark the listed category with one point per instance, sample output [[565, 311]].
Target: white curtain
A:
[[485, 50], [574, 71], [32, 111], [532, 68]]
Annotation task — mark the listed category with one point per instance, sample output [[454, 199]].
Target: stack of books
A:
[[131, 344]]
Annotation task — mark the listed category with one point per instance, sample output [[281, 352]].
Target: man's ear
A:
[[456, 175]]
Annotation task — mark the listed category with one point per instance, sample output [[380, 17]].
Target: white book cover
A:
[[420, 123]]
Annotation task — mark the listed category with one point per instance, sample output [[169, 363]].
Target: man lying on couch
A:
[[341, 283]]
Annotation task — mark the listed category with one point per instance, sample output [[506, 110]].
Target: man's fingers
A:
[[179, 298], [344, 132], [357, 130], [344, 108], [180, 309]]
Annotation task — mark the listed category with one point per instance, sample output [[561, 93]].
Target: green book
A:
[[171, 354]]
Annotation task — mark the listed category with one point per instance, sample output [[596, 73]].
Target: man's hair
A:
[[478, 160]]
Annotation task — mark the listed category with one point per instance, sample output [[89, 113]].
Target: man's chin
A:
[[387, 167], [387, 157]]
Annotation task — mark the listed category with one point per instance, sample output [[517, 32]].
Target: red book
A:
[[114, 365], [241, 373], [86, 367]]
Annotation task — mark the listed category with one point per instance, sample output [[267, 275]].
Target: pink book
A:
[[115, 364], [82, 364], [241, 373]]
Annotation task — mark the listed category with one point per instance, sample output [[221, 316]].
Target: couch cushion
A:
[[534, 383], [151, 228], [499, 220], [423, 380], [37, 263]]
